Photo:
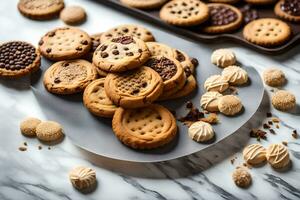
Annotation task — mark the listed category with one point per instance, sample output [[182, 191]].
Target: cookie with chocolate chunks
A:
[[288, 10], [18, 58]]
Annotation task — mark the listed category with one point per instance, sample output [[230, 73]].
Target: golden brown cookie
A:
[[120, 54], [145, 5], [254, 154], [223, 58], [274, 77], [28, 126], [135, 88], [210, 100], [144, 128], [69, 77], [49, 131], [216, 83], [40, 9], [283, 100], [101, 72], [83, 178], [241, 177], [96, 100], [260, 2], [267, 32], [278, 156], [18, 58], [73, 15], [235, 75], [159, 49], [185, 61], [65, 44], [288, 10], [184, 12], [230, 105]]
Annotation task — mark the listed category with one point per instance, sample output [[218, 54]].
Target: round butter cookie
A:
[[209, 101], [274, 77], [278, 156], [283, 100], [254, 154], [216, 83], [28, 126], [288, 10], [230, 105], [235, 75], [121, 54], [201, 131], [73, 15], [144, 128], [83, 178], [144, 5], [49, 131], [241, 177], [223, 58], [135, 88], [159, 49]]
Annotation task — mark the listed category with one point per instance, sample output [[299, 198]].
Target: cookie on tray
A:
[[144, 128], [223, 58], [216, 83], [159, 49], [209, 101], [18, 58], [235, 75], [267, 32], [288, 10], [135, 88], [230, 105], [184, 13], [120, 54], [201, 131], [224, 18], [69, 77], [142, 4], [65, 44]]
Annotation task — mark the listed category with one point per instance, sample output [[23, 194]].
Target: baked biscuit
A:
[[241, 177], [144, 128], [83, 178], [145, 5], [216, 83], [235, 75], [49, 131], [278, 156], [28, 126], [201, 131], [274, 77], [288, 10], [223, 58], [159, 49], [73, 15], [254, 154], [230, 105], [283, 100], [209, 101]]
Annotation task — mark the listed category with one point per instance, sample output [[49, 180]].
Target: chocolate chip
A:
[[84, 42], [135, 91], [79, 48], [189, 104], [195, 62], [129, 54], [140, 50], [104, 55], [144, 84], [123, 40], [48, 50], [51, 34], [57, 80], [115, 52], [125, 30], [180, 57]]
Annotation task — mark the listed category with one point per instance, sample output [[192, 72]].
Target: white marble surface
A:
[[43, 174]]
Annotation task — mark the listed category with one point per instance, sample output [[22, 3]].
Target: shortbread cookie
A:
[[216, 83], [69, 77], [201, 131], [274, 77], [49, 131], [209, 101], [185, 62], [230, 105], [96, 100], [267, 32], [223, 18], [134, 89], [223, 58], [170, 70], [28, 126], [83, 178], [129, 30], [120, 54], [159, 49], [65, 44], [18, 58], [184, 13], [288, 10], [260, 2], [283, 100], [40, 9], [73, 15], [241, 177], [95, 43], [278, 155], [145, 5], [235, 75], [144, 128], [254, 154]]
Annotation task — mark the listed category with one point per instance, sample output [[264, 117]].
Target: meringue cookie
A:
[[216, 83], [201, 131], [230, 105], [209, 101], [254, 154], [82, 178], [223, 57], [235, 75], [278, 155]]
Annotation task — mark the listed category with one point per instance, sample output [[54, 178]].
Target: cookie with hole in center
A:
[[65, 44], [288, 10], [120, 54], [145, 5], [69, 77], [135, 88], [144, 128]]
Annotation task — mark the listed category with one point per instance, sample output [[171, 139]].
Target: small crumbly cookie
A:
[[216, 83], [283, 100], [288, 10], [18, 58], [49, 131], [267, 32], [69, 77], [210, 100], [185, 62], [73, 15], [261, 2], [83, 178], [129, 30], [274, 77], [254, 154], [145, 5], [223, 18], [184, 13], [278, 156], [65, 44], [135, 88], [223, 58], [95, 43], [230, 105], [235, 75], [40, 9], [96, 100], [120, 54], [241, 177], [144, 128], [28, 126], [201, 131], [159, 49]]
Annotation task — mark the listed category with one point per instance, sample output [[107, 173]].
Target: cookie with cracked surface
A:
[[121, 54], [235, 75], [230, 105], [274, 77], [283, 100], [254, 154], [184, 12], [209, 101], [69, 77], [159, 49], [144, 128], [65, 44], [216, 83], [144, 5], [135, 88], [288, 10], [241, 177], [49, 131]]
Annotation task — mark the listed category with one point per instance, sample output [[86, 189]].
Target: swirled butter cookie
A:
[[216, 83], [120, 54], [144, 128], [69, 77], [201, 131], [135, 88], [209, 101], [83, 178], [223, 58], [159, 49], [278, 155], [254, 154], [235, 75], [230, 105]]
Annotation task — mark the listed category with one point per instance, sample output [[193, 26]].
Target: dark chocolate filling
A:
[[123, 40], [165, 67], [249, 14], [222, 15], [291, 7]]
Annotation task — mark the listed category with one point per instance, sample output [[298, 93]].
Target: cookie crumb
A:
[[270, 123], [285, 143], [258, 134], [212, 118], [272, 131], [269, 114], [49, 148], [39, 147], [295, 134], [275, 120], [266, 126], [277, 126], [22, 148], [25, 143], [232, 160]]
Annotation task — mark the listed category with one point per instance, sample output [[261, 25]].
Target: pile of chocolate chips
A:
[[193, 115], [165, 67], [221, 15], [291, 7], [16, 55], [249, 13]]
